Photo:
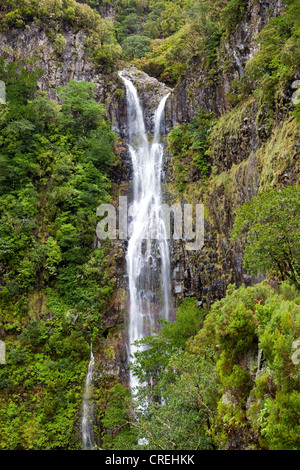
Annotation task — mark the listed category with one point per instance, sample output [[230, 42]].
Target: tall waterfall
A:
[[148, 263], [88, 411]]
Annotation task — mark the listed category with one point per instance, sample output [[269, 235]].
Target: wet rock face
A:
[[150, 91], [197, 88], [72, 62], [206, 274], [34, 48]]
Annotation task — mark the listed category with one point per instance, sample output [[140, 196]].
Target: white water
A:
[[148, 264], [88, 409]]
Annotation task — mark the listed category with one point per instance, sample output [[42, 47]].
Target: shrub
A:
[[270, 223]]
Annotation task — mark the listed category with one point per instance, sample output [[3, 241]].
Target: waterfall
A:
[[148, 263], [88, 409]]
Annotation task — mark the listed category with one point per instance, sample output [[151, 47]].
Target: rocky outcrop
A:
[[61, 61], [211, 87], [33, 47], [241, 160], [151, 91], [244, 157], [260, 165]]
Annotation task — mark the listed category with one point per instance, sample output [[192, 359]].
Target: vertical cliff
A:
[[247, 152], [250, 144]]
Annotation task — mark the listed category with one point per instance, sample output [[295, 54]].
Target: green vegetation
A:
[[54, 16], [232, 14], [189, 143], [278, 58], [233, 375], [55, 164], [213, 375], [193, 30], [271, 224]]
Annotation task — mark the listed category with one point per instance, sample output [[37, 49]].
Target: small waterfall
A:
[[88, 409], [148, 263]]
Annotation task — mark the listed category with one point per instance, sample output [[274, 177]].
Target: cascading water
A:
[[148, 263], [88, 409]]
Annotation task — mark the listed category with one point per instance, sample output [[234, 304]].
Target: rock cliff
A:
[[238, 158], [245, 156]]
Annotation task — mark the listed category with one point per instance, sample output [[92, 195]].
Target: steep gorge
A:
[[245, 156]]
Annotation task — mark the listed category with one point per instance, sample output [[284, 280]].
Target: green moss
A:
[[245, 320], [279, 154], [231, 122], [188, 144]]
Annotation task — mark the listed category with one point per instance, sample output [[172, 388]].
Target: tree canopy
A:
[[270, 224]]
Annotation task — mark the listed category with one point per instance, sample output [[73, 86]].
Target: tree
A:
[[185, 418], [175, 410], [271, 224], [80, 108], [136, 46], [157, 349]]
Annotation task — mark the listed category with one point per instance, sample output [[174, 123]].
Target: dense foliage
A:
[[55, 162], [197, 30], [218, 378], [271, 223], [233, 377], [55, 16], [275, 64]]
